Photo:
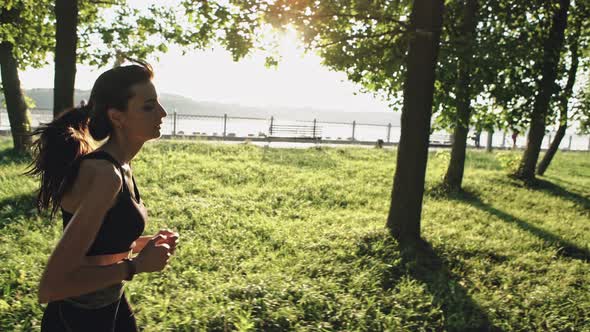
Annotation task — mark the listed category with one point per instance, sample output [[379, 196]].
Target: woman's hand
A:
[[154, 255], [171, 238]]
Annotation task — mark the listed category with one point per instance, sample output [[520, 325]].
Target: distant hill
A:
[[175, 103]]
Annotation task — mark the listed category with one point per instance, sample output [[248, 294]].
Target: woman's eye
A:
[[148, 108]]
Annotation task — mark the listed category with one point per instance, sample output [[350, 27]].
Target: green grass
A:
[[286, 239]]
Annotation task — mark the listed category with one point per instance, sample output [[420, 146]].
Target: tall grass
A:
[[288, 239]]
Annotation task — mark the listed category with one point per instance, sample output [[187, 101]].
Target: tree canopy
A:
[[28, 26]]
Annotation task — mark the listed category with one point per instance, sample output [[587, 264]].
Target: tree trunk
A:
[[566, 95], [18, 113], [490, 140], [408, 186], [551, 53], [66, 40], [454, 176], [552, 150]]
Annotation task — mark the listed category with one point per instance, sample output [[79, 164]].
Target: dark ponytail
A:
[[62, 142], [58, 146]]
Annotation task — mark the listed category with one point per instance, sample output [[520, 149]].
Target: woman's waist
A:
[[104, 296], [98, 298], [108, 259]]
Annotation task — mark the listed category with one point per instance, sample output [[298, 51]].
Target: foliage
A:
[[580, 103], [108, 30], [582, 110], [365, 39], [292, 239], [578, 42], [518, 84], [368, 41], [483, 69], [508, 160], [105, 29], [28, 26], [507, 67], [199, 24]]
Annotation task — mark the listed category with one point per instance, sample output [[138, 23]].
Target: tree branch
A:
[[359, 36], [404, 24], [264, 8], [102, 2]]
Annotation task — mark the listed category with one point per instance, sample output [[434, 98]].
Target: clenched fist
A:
[[154, 255]]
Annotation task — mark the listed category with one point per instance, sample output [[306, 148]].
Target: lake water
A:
[[244, 127]]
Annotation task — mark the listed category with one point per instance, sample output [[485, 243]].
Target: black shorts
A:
[[65, 317]]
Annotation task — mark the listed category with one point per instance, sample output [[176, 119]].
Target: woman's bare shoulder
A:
[[101, 172]]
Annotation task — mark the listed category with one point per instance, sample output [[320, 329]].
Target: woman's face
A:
[[144, 113]]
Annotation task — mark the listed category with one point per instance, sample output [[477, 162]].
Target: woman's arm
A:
[[140, 243], [60, 278], [67, 274], [171, 239], [85, 279]]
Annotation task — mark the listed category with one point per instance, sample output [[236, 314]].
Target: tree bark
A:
[[66, 41], [566, 95], [490, 140], [408, 186], [551, 53], [18, 113], [454, 176], [544, 164]]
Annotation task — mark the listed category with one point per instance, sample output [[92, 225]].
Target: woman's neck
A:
[[123, 152]]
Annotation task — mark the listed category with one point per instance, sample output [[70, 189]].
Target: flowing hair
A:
[[74, 133], [59, 144]]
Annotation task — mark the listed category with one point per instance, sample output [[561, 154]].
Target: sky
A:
[[211, 75]]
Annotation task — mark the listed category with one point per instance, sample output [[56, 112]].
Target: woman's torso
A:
[[122, 224]]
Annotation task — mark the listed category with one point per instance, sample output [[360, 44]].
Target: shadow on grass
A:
[[548, 187], [422, 263], [569, 183], [558, 190], [12, 208], [9, 156], [566, 248]]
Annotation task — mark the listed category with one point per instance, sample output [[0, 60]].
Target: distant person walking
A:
[[514, 137], [102, 210], [476, 139]]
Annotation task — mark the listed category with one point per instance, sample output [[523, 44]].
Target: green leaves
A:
[[365, 39], [124, 30], [27, 24]]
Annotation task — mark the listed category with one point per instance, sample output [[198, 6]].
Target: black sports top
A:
[[124, 221]]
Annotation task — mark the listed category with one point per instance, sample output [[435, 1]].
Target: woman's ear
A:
[[116, 117]]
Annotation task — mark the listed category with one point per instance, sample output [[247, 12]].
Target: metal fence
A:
[[236, 127], [186, 125]]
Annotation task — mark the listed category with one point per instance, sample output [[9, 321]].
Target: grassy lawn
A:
[[287, 239]]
